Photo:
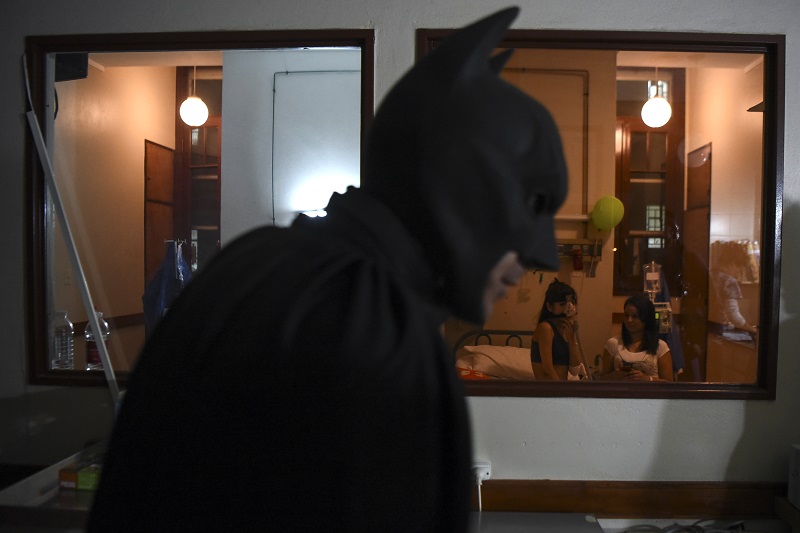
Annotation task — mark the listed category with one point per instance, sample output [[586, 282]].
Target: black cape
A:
[[300, 383]]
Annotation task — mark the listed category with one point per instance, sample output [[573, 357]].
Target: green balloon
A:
[[607, 212]]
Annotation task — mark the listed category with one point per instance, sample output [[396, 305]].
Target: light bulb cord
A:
[[656, 81]]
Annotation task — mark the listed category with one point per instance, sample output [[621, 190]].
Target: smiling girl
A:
[[638, 354]]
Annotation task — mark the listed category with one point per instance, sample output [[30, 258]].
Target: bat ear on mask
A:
[[397, 136], [466, 52], [497, 63]]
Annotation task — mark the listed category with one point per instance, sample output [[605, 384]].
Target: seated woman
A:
[[554, 347], [638, 354]]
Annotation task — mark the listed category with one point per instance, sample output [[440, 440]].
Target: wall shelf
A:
[[590, 248]]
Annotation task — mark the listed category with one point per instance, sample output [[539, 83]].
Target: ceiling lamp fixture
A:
[[656, 111], [194, 112]]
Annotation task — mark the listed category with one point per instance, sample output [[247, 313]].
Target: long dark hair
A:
[[557, 292], [647, 314]]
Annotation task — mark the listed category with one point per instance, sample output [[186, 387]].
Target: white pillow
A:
[[505, 362]]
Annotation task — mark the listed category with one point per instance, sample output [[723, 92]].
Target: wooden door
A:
[[159, 204], [694, 304]]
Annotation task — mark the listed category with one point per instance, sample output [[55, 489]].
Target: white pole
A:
[[73, 255]]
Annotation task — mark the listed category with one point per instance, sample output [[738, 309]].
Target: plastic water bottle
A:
[[62, 356], [93, 360]]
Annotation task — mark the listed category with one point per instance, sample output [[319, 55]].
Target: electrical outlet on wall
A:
[[481, 470]]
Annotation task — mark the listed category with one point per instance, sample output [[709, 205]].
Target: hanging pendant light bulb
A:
[[194, 111], [656, 111]]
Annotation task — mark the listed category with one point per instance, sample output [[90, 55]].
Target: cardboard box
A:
[[68, 477]]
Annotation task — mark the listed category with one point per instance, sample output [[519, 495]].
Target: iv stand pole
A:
[[73, 255]]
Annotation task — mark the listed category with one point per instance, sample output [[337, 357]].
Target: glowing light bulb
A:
[[194, 111], [656, 112]]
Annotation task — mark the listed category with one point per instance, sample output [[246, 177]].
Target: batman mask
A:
[[471, 165]]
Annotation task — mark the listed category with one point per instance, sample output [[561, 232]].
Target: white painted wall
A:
[[247, 127], [558, 438]]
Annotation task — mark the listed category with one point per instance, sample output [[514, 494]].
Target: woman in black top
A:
[[554, 348]]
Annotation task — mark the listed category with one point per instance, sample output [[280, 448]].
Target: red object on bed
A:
[[465, 373]]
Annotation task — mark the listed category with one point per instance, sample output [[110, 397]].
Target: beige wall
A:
[[735, 142], [100, 130]]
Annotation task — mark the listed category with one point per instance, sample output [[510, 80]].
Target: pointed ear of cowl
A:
[[497, 63], [467, 53], [416, 101]]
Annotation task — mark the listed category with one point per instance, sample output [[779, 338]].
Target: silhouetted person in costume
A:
[[301, 382]]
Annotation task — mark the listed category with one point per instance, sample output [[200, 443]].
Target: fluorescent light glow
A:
[[316, 140], [312, 193], [317, 213]]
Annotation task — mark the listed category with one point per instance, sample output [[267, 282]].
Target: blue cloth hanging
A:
[[172, 276]]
